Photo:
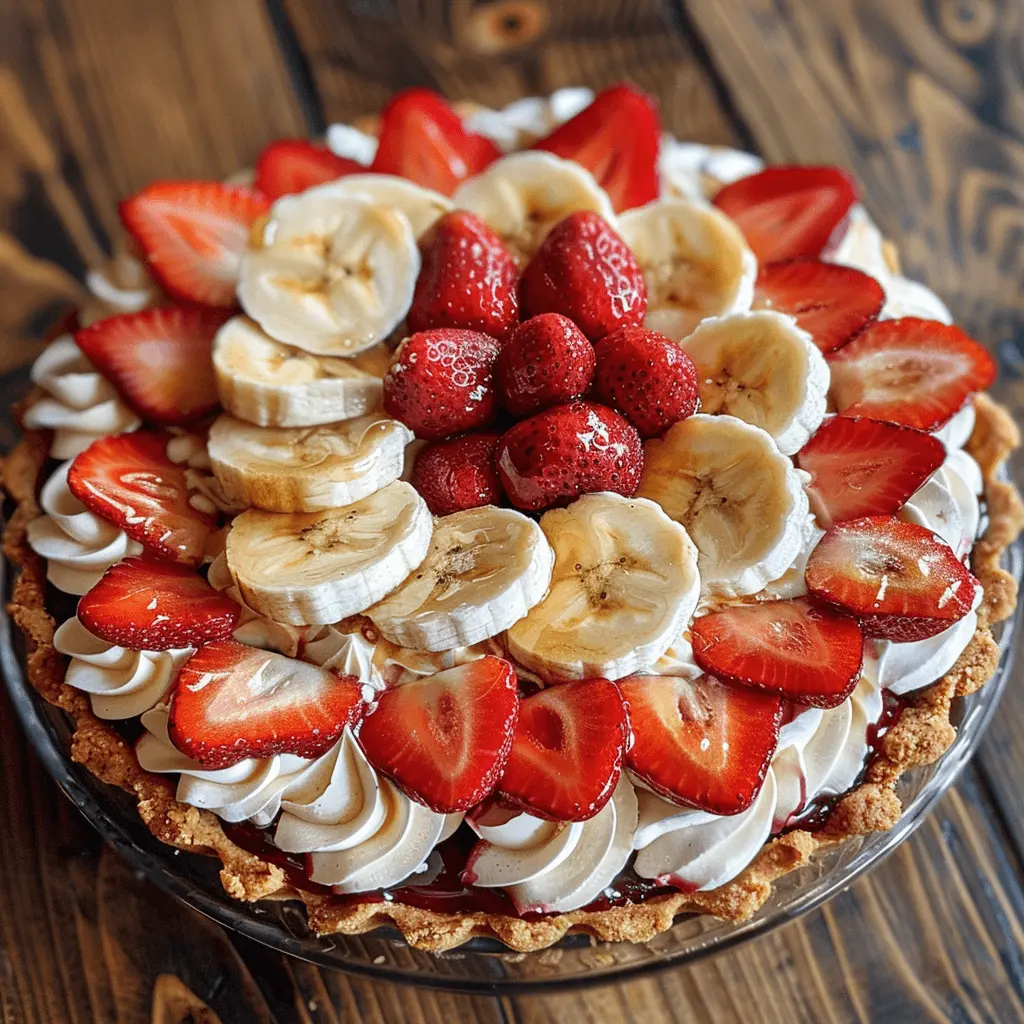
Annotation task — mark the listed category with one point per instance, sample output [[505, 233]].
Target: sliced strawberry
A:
[[898, 578], [910, 371], [832, 303], [445, 738], [159, 360], [568, 750], [156, 606], [231, 702], [424, 140], [809, 655], [617, 139], [288, 166], [865, 467], [193, 234], [786, 212], [128, 480], [701, 743]]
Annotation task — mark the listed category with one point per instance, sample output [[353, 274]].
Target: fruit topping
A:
[[445, 738], [288, 166], [701, 743], [458, 474], [128, 480], [231, 702], [898, 578], [567, 755], [863, 467], [910, 371]]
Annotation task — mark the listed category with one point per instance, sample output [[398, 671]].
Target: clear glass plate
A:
[[482, 965]]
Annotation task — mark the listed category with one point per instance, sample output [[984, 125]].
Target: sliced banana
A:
[[307, 469], [625, 583], [763, 369], [314, 568], [696, 263], [523, 196], [421, 205], [274, 385], [738, 496], [328, 272], [486, 568]]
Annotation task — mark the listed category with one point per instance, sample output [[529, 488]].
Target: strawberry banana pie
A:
[[509, 522]]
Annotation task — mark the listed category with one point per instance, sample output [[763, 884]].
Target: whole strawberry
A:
[[647, 377], [545, 360], [457, 474], [441, 382], [569, 450], [467, 280], [586, 272]]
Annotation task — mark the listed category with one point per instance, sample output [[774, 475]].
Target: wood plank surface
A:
[[920, 97]]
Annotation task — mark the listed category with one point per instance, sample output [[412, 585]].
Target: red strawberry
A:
[[584, 271], [445, 738], [128, 480], [647, 377], [701, 743], [458, 474], [568, 750], [468, 279], [288, 166], [545, 360], [159, 360], [155, 606], [442, 382], [218, 716], [424, 140], [809, 655], [832, 303], [786, 212], [617, 139], [898, 578], [193, 234], [566, 451], [865, 467], [910, 371]]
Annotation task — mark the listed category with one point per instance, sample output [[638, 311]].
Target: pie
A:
[[510, 522]]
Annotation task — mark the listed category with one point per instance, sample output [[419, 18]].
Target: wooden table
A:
[[922, 99]]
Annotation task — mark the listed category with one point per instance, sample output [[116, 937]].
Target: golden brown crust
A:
[[922, 734]]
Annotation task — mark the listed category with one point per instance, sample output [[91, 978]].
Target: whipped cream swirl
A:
[[205, 492], [527, 119]]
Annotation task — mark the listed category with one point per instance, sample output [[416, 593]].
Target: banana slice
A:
[[307, 469], [763, 369], [696, 264], [486, 568], [273, 385], [738, 496], [421, 205], [523, 196], [328, 272], [625, 584], [314, 568]]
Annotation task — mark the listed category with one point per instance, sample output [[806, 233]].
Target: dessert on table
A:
[[511, 522]]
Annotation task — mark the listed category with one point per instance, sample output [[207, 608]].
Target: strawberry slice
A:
[[288, 166], [568, 750], [832, 303], [864, 467], [156, 606], [617, 139], [809, 655], [898, 578], [701, 743], [231, 702], [910, 371], [193, 234], [423, 139], [786, 212], [445, 738], [129, 481], [159, 360]]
